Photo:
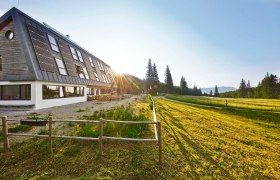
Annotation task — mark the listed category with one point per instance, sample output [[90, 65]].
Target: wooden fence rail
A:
[[50, 136]]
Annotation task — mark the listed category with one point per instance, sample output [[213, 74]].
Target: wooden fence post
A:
[[159, 143], [6, 144], [50, 134], [101, 123]]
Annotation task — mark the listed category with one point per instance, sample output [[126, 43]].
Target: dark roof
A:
[[40, 58]]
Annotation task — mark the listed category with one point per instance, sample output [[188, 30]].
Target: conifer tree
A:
[[216, 92], [183, 85], [168, 80], [149, 74], [211, 93], [242, 89], [155, 78]]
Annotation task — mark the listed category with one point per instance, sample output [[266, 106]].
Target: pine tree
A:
[[211, 93], [216, 92], [242, 89], [149, 74], [155, 78], [168, 80], [249, 89], [183, 85]]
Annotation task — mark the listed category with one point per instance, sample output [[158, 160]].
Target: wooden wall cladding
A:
[[67, 57], [42, 50]]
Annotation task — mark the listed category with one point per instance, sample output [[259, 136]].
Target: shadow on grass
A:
[[188, 147], [266, 116]]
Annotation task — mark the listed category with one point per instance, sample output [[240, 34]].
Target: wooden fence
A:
[[50, 136]]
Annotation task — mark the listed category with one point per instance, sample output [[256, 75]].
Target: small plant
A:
[[20, 128], [82, 110], [43, 132]]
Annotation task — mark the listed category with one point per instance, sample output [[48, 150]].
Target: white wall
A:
[[37, 96]]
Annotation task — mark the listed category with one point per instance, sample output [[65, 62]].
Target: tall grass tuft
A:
[[115, 129]]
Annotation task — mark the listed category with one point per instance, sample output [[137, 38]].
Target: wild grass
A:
[[115, 129], [19, 128]]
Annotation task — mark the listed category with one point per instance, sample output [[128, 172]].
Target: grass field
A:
[[198, 143], [246, 103]]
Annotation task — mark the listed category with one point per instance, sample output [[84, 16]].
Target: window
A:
[[80, 56], [10, 35], [53, 43], [1, 62], [51, 92], [79, 71], [101, 65], [106, 78], [98, 63], [91, 62], [15, 92], [96, 76], [60, 66], [86, 73], [73, 52]]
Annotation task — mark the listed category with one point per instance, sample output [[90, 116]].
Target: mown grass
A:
[[245, 103], [217, 144], [198, 143]]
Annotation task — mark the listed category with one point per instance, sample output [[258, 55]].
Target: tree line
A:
[[153, 85], [268, 87]]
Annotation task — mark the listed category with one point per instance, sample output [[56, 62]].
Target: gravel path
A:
[[70, 111]]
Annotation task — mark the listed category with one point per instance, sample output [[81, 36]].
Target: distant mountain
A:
[[221, 89]]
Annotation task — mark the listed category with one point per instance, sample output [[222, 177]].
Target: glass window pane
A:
[[62, 71], [52, 40], [50, 92], [10, 92], [54, 47]]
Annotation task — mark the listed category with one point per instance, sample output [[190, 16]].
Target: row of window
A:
[[15, 92], [51, 92], [76, 54]]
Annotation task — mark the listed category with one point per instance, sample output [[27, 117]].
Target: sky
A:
[[210, 42]]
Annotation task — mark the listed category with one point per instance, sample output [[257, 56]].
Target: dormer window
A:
[[53, 43], [60, 66], [86, 73], [96, 76], [100, 66], [73, 52], [80, 56], [80, 72], [91, 62]]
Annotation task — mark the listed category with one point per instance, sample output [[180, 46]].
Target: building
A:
[[41, 68]]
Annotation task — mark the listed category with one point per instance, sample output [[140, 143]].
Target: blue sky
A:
[[209, 42]]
